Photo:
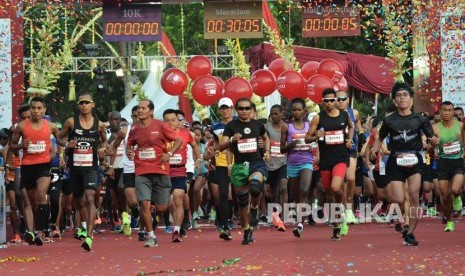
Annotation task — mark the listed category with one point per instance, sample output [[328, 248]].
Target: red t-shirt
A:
[[38, 151], [150, 144], [179, 158]]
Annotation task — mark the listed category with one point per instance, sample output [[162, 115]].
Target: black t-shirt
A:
[[405, 132], [333, 148], [246, 149], [84, 155]]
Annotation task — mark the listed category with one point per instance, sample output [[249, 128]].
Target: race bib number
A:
[[451, 148], [407, 160], [83, 157], [275, 149], [36, 148], [300, 138], [176, 159], [119, 150], [334, 137], [247, 145], [147, 154], [382, 166]]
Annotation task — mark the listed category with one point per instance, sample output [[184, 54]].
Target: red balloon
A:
[[236, 88], [221, 83], [278, 66], [331, 68], [206, 90], [291, 85], [174, 82], [263, 82], [342, 85], [199, 66], [309, 69], [315, 86]]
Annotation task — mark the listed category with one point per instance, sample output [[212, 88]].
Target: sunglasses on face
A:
[[85, 102], [242, 108], [341, 99], [180, 119], [329, 100]]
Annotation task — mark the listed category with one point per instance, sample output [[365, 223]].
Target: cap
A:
[[48, 118], [225, 101], [311, 115]]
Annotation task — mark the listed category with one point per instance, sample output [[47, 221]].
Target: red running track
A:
[[368, 249]]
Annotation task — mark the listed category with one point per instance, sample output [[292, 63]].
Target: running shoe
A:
[[276, 219], [77, 233], [194, 224], [458, 204], [444, 220], [16, 239], [151, 242], [410, 240], [56, 234], [405, 231], [134, 222], [141, 236], [431, 212], [398, 227], [195, 216], [253, 217], [39, 240], [263, 219], [168, 229], [344, 228], [311, 221], [350, 218], [126, 224], [225, 234], [87, 244], [212, 216], [176, 237], [298, 230], [187, 224], [183, 232], [29, 237], [248, 238], [449, 227], [281, 227], [336, 234], [231, 224], [82, 234]]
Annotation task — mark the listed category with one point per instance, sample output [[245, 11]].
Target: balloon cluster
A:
[[313, 78]]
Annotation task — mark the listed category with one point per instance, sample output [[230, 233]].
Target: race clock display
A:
[[233, 20], [330, 21], [131, 22]]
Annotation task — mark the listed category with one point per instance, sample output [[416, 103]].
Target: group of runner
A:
[[152, 168]]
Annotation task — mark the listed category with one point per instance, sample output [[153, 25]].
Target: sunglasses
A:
[[180, 119], [329, 100], [341, 99], [242, 108], [85, 102]]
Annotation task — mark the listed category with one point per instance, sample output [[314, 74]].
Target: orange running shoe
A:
[[281, 227], [16, 239], [276, 219]]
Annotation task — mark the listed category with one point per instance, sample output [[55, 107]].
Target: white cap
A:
[[311, 115], [225, 101]]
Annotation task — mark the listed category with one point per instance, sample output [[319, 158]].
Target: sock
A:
[[135, 212], [84, 225], [177, 228], [151, 234], [247, 228]]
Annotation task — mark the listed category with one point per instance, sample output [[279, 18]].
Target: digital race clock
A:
[[330, 20], [131, 22], [233, 20]]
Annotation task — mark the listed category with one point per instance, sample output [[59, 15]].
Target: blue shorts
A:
[[294, 170]]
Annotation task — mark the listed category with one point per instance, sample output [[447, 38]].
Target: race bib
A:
[[36, 148], [407, 160], [300, 138], [335, 137], [382, 166], [247, 145], [147, 154], [176, 159], [275, 149], [83, 157], [451, 148]]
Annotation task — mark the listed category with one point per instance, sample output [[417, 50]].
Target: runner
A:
[[35, 166], [333, 142], [178, 172], [299, 157], [277, 166], [450, 168], [200, 178], [404, 128], [349, 188], [249, 171], [85, 133], [147, 146]]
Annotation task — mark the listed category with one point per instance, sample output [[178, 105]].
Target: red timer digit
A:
[[233, 25], [330, 24], [131, 28]]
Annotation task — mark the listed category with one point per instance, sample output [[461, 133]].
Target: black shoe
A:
[[29, 237], [311, 221], [183, 232], [263, 219], [320, 213], [187, 225], [248, 236], [444, 220], [253, 217], [141, 236], [336, 234], [410, 240], [398, 227], [298, 230], [231, 224], [225, 234], [405, 231], [39, 241]]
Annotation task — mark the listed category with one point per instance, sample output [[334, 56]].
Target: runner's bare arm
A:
[[67, 128], [266, 145], [312, 134], [17, 133]]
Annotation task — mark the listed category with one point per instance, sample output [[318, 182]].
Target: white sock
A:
[[177, 228], [151, 234], [84, 225]]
